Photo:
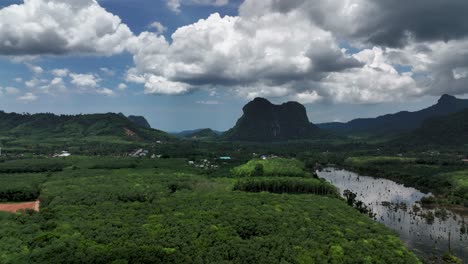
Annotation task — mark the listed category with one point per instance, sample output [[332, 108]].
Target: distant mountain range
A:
[[195, 132], [44, 126], [203, 133], [401, 122], [447, 130], [263, 121]]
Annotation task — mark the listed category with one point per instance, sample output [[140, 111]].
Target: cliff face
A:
[[264, 121]]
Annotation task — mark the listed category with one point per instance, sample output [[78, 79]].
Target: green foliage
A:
[[445, 178], [46, 133], [451, 259], [286, 185], [20, 187], [377, 160], [32, 165], [447, 130], [271, 167], [163, 212]]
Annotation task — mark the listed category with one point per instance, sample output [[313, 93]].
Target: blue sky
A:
[[215, 64]]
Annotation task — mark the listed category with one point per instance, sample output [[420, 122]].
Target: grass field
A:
[[271, 167]]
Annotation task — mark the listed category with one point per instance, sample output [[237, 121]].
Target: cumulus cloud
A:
[[174, 5], [376, 82], [279, 48], [158, 27], [107, 71], [27, 97], [35, 69], [85, 80], [122, 86], [105, 91], [60, 72], [9, 90], [379, 22], [275, 49], [60, 27]]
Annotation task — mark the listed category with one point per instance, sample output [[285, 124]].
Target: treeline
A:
[[286, 185], [271, 167], [21, 194], [32, 166], [20, 187]]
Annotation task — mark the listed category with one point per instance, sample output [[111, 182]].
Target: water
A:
[[395, 205]]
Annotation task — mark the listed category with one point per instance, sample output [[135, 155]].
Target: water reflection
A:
[[425, 231]]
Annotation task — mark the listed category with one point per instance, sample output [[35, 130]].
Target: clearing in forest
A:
[[15, 207]]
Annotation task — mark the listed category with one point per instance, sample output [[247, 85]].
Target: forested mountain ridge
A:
[[400, 122], [46, 125], [206, 133], [263, 121], [446, 130], [139, 120]]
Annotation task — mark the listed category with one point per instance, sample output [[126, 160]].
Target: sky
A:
[[187, 64]]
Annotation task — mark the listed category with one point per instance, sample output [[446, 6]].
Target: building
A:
[[62, 154], [139, 153]]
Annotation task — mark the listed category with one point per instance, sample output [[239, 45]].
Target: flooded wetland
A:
[[429, 232]]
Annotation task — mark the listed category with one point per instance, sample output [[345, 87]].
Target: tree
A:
[[258, 171], [350, 197]]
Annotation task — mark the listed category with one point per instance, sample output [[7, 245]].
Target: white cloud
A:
[[209, 102], [19, 79], [57, 84], [105, 91], [60, 27], [159, 85], [158, 27], [307, 97], [35, 69], [210, 2], [35, 82], [107, 71], [60, 72], [9, 90], [460, 73], [27, 97], [85, 80], [273, 50], [173, 5], [122, 86], [376, 82]]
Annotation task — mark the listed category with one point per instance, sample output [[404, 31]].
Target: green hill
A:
[[139, 120], [447, 130], [206, 133], [26, 132]]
